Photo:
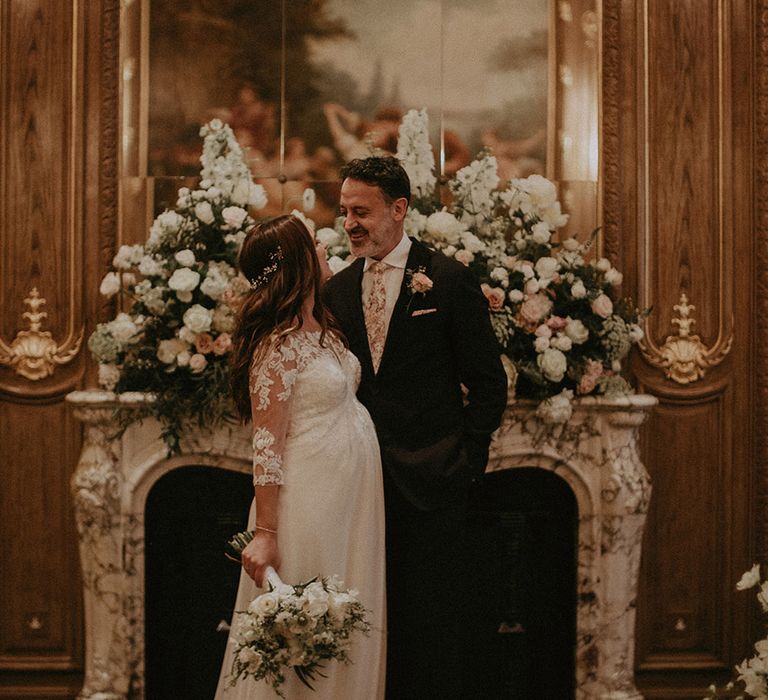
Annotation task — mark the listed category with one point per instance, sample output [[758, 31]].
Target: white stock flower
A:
[[128, 256], [472, 243], [553, 364], [198, 319], [150, 267], [257, 196], [234, 216], [415, 222], [110, 285], [184, 280], [415, 153], [185, 258], [204, 212]]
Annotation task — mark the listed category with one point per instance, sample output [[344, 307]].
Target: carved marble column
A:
[[596, 453], [111, 655]]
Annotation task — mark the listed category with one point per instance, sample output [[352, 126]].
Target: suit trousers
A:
[[426, 589]]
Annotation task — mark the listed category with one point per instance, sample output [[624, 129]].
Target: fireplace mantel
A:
[[595, 452]]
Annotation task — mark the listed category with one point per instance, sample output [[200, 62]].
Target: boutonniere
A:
[[418, 282]]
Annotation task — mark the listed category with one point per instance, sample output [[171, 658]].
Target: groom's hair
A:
[[384, 172]]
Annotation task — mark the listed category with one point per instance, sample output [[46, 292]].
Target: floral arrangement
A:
[[180, 290], [555, 311], [295, 627], [752, 673]]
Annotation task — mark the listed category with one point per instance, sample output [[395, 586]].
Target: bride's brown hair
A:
[[278, 259]]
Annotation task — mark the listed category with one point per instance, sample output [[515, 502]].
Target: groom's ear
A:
[[399, 208]]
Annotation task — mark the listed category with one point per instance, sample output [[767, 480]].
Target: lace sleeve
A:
[[271, 382]]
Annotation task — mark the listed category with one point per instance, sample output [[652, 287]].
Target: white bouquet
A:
[[295, 627]]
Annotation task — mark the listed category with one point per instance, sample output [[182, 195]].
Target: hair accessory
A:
[[274, 261]]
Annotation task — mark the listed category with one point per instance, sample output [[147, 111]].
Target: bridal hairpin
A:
[[274, 259]]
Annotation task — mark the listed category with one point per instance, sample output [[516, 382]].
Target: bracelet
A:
[[265, 529]]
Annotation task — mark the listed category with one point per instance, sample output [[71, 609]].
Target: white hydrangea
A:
[[123, 329], [415, 223], [444, 227], [128, 256]]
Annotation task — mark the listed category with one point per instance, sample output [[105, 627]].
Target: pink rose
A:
[[557, 323], [494, 295], [204, 343], [197, 363], [602, 306], [592, 372], [223, 344], [534, 309], [420, 283]]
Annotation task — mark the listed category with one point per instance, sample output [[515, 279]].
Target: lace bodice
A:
[[295, 391]]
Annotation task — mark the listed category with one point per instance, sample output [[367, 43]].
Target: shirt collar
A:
[[397, 257]]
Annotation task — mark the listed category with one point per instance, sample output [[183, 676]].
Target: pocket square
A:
[[421, 312]]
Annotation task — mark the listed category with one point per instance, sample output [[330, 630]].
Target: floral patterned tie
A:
[[375, 314]]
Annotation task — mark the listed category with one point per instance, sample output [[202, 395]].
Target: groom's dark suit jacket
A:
[[433, 441]]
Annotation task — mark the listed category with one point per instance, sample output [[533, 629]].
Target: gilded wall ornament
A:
[[683, 357], [34, 353]]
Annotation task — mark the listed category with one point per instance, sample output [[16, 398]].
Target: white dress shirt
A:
[[394, 273]]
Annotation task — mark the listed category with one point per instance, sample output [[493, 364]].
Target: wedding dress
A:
[[331, 502]]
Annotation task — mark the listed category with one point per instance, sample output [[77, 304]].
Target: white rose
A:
[[540, 233], [603, 264], [614, 277], [541, 344], [527, 270], [556, 409], [449, 250], [553, 364], [123, 329], [445, 226], [204, 212], [576, 331], [602, 305], [308, 199], [578, 290], [327, 236], [531, 286], [198, 319], [185, 258], [515, 295], [500, 274], [337, 264], [543, 331], [234, 216], [184, 280], [167, 350], [636, 334], [265, 604], [571, 244], [546, 267], [109, 375], [197, 363], [110, 285], [562, 342], [127, 256], [187, 335], [183, 358]]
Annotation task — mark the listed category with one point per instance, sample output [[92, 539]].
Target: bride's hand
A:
[[260, 553]]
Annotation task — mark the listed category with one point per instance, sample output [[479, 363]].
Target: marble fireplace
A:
[[595, 453]]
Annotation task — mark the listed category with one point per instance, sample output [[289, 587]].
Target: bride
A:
[[318, 508]]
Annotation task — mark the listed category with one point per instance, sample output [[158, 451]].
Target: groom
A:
[[419, 324]]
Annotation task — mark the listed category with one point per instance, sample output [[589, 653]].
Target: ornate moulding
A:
[[595, 453]]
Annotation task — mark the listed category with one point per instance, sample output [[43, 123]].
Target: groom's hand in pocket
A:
[[260, 553]]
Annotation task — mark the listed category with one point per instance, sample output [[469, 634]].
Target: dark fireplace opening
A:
[[190, 586], [524, 539]]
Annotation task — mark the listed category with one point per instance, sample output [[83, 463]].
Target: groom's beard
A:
[[360, 242]]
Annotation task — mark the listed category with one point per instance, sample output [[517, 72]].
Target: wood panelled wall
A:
[[685, 191], [58, 115]]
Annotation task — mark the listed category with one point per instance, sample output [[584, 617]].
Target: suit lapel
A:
[[419, 256]]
